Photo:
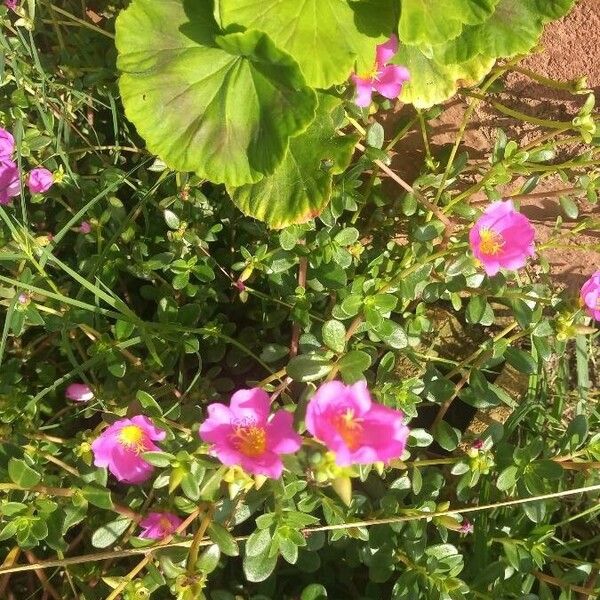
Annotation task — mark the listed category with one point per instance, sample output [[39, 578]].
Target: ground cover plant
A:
[[241, 357]]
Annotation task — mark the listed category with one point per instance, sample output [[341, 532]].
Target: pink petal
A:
[[390, 80], [491, 267], [213, 432], [282, 439], [153, 432], [219, 414], [102, 449], [269, 465], [79, 392], [591, 298], [40, 180], [385, 52], [326, 399], [360, 397], [228, 455], [129, 467], [153, 525], [383, 438], [364, 91], [253, 404], [7, 141]]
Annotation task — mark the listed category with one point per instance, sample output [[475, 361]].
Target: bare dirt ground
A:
[[570, 48]]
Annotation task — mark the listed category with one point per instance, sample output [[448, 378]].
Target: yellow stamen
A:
[[372, 75], [349, 427], [132, 437], [250, 439], [491, 242]]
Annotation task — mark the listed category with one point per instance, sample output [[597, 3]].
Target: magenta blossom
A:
[[119, 448], [10, 182], [157, 526], [502, 238], [7, 143], [466, 527], [590, 296], [40, 180], [385, 79], [478, 445], [12, 4], [243, 434], [349, 423], [85, 228], [79, 392]]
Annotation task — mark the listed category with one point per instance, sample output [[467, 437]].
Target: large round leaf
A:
[[553, 9], [514, 28], [436, 21], [300, 187], [222, 106], [432, 82], [328, 38]]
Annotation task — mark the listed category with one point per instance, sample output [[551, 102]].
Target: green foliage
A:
[[226, 89], [232, 101], [176, 298]]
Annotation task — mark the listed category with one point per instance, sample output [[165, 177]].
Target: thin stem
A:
[[48, 587], [418, 196], [570, 86], [515, 114], [477, 354], [279, 375], [415, 516], [423, 128], [302, 270], [463, 126], [149, 555], [81, 22], [197, 541], [548, 194], [555, 581], [463, 510]]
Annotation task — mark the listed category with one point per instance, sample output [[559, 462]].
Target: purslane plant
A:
[[417, 427]]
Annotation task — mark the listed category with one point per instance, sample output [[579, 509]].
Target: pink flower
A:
[[590, 296], [7, 143], [477, 445], [385, 79], [79, 392], [40, 180], [350, 424], [85, 228], [12, 4], [502, 238], [10, 183], [243, 434], [119, 447], [466, 527], [157, 526]]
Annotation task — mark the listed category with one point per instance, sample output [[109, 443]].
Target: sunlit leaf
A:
[[223, 106]]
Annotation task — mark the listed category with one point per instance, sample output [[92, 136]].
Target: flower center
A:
[[165, 526], [491, 242], [249, 439], [350, 428], [372, 75], [132, 437]]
